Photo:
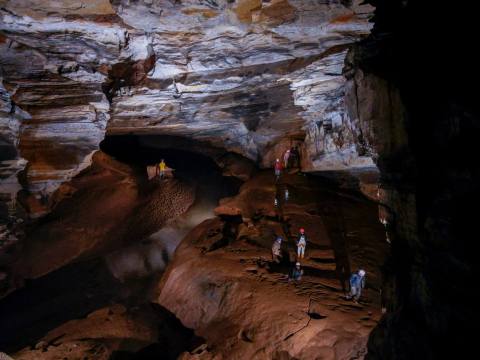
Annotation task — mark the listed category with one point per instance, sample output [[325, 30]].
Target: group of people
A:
[[357, 279], [301, 243], [290, 159]]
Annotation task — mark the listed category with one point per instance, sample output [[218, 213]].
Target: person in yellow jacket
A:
[[161, 168]]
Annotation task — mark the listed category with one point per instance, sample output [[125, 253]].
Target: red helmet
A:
[[302, 230]]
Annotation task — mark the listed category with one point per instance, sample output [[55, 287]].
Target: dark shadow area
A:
[[173, 339], [45, 303], [189, 160]]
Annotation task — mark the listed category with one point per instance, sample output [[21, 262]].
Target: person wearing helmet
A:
[[277, 250], [357, 283], [295, 273], [301, 244], [278, 169]]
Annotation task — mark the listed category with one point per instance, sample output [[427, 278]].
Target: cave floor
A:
[[223, 283]]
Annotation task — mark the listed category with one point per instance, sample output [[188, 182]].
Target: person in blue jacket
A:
[[357, 283]]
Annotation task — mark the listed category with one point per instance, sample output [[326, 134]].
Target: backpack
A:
[[355, 280]]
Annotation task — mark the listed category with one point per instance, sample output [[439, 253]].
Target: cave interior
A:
[[102, 258]]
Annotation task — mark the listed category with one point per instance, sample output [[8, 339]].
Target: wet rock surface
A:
[[223, 284]]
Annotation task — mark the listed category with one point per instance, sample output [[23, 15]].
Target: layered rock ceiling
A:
[[248, 76]]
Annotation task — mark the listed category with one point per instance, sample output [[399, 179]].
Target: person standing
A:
[[286, 158], [278, 169], [295, 155], [161, 169], [277, 250], [301, 244], [357, 283]]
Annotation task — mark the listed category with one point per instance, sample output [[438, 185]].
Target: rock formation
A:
[[223, 284], [241, 81], [247, 76]]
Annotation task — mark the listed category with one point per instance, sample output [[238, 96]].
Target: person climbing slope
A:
[[301, 244], [357, 283], [277, 250]]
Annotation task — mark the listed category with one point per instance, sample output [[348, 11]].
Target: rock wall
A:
[[247, 76], [422, 121]]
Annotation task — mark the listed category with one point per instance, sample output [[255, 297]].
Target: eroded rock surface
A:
[[248, 76], [108, 206], [223, 284]]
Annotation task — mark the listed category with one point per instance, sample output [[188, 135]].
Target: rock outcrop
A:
[[247, 76]]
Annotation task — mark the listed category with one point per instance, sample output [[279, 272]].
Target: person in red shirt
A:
[[278, 168]]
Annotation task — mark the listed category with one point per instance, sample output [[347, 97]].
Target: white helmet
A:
[[297, 264], [361, 272]]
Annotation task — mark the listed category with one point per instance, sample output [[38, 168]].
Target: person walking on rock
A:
[[357, 283], [301, 244], [277, 250], [295, 273], [278, 169]]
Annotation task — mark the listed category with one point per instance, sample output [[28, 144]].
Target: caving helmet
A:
[[361, 272], [302, 231], [297, 264]]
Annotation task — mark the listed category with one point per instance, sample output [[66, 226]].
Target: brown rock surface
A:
[[97, 336], [106, 206], [222, 283]]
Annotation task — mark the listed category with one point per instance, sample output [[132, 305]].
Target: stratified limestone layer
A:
[[248, 76]]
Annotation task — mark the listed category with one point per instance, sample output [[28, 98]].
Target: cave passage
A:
[[146, 221]]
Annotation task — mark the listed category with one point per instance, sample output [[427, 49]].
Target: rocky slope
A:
[[223, 284], [248, 76]]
